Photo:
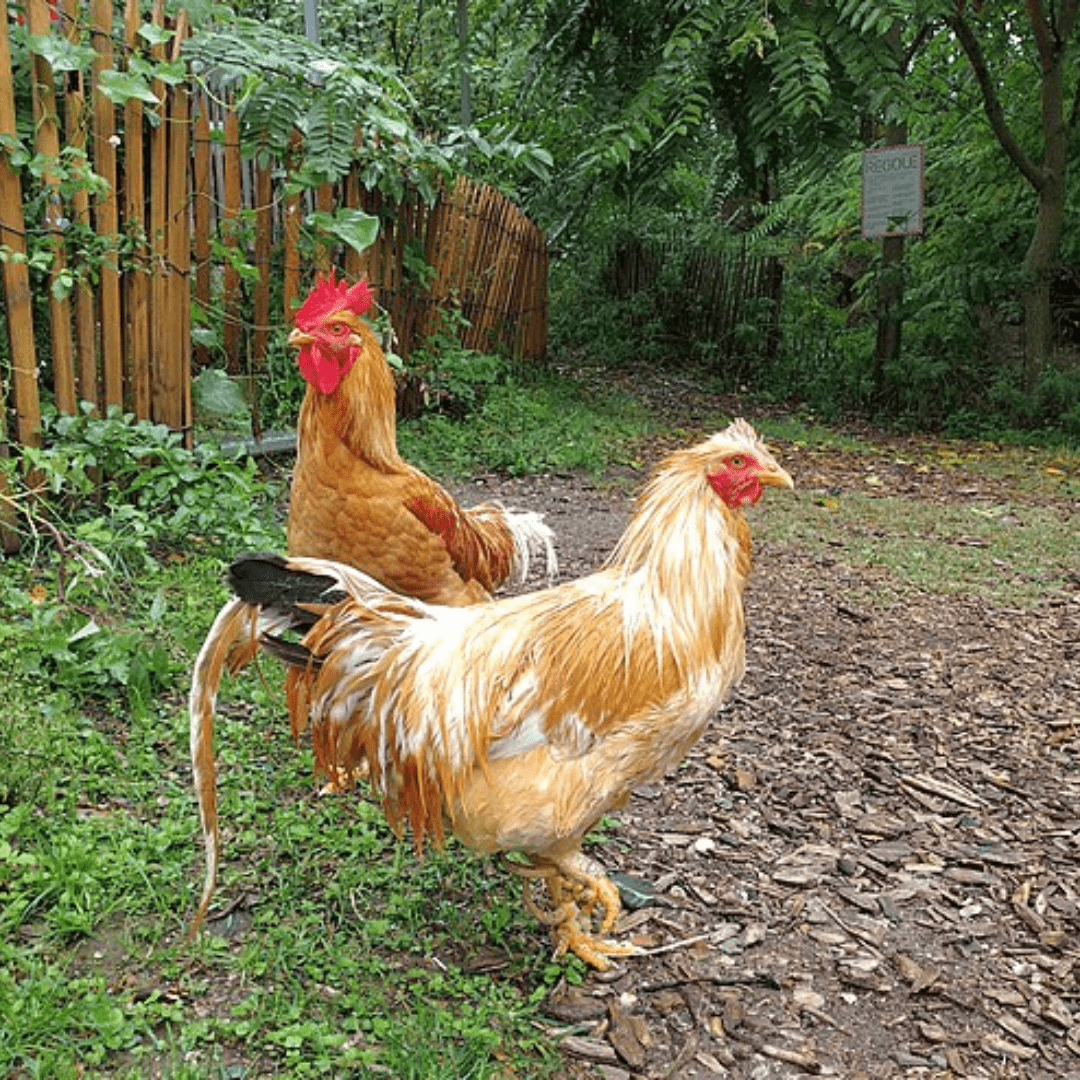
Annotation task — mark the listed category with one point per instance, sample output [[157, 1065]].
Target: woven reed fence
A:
[[181, 204], [729, 299]]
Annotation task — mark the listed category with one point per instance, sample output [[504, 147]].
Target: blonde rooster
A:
[[514, 725]]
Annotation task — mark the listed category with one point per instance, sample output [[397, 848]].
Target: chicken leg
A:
[[577, 886]]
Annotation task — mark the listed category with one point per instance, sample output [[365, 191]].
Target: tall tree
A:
[[1050, 28]]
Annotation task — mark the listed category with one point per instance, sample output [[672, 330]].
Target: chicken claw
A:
[[342, 780], [577, 888], [569, 937]]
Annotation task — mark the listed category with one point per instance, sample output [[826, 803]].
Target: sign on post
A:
[[892, 192]]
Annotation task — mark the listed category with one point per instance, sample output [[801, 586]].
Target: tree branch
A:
[[924, 34], [1041, 33], [992, 104]]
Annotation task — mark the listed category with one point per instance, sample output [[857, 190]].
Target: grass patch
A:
[[1008, 553], [533, 423], [345, 953]]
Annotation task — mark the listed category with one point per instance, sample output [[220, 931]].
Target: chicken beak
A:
[[298, 339], [774, 476]]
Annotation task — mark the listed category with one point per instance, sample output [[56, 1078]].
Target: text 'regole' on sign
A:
[[892, 191]]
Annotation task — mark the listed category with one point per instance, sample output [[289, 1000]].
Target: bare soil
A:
[[868, 866]]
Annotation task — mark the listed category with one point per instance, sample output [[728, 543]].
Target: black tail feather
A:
[[265, 578], [291, 652]]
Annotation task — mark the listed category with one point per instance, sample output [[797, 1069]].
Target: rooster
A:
[[356, 501], [514, 725]]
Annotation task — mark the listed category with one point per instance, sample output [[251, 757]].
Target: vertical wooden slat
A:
[[178, 308], [324, 249], [18, 308], [356, 262], [291, 243], [17, 303], [201, 187], [263, 244], [107, 211], [75, 125], [137, 279], [230, 236], [157, 164], [47, 144]]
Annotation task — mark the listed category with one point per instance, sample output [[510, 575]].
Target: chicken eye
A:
[[737, 462], [338, 329]]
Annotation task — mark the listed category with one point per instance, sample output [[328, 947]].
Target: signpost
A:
[[892, 208], [892, 192]]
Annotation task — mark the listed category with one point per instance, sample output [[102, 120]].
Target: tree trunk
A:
[[1051, 31], [1039, 263], [890, 281], [1041, 256]]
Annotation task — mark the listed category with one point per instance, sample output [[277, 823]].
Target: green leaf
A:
[[170, 72], [121, 86], [352, 227], [62, 54], [154, 34]]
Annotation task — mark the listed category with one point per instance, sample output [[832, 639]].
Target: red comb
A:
[[329, 295]]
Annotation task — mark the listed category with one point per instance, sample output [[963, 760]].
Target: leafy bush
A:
[[101, 501], [457, 379], [120, 486]]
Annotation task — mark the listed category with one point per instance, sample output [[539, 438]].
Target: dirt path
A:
[[868, 867]]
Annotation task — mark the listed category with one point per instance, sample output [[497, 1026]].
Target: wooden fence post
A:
[[201, 190], [263, 245], [20, 321], [112, 349], [324, 202], [137, 278], [178, 305], [157, 230], [20, 318], [47, 144], [291, 229], [230, 228], [75, 122]]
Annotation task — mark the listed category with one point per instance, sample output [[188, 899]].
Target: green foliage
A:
[[122, 488], [457, 379], [533, 421], [280, 387], [218, 401]]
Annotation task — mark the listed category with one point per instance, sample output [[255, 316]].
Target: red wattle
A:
[[321, 368]]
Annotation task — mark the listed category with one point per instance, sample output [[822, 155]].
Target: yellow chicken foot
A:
[[569, 937], [565, 910], [529, 873], [577, 886], [342, 780], [601, 891]]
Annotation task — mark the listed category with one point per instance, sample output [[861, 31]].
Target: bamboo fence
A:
[[182, 206], [704, 296]]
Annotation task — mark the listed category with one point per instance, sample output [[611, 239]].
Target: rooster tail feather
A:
[[273, 581], [529, 532], [218, 650]]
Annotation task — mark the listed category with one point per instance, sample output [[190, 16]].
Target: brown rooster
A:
[[356, 501], [514, 725]]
